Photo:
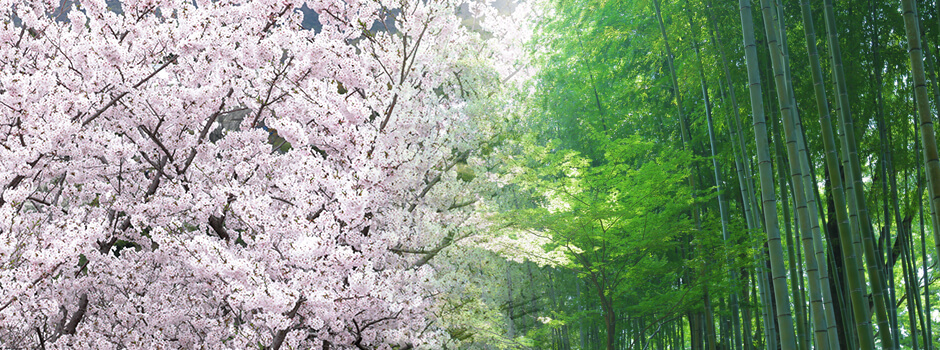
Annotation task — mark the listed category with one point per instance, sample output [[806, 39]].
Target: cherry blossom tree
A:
[[124, 226]]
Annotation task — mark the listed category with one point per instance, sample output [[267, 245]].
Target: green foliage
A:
[[620, 219], [600, 169]]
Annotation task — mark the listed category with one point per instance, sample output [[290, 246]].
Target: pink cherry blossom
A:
[[319, 221]]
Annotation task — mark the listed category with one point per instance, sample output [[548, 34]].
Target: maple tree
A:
[[125, 226]]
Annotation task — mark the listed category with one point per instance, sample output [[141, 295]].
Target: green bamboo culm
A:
[[821, 327], [822, 107], [856, 194], [784, 188], [805, 337], [790, 120], [718, 188], [771, 225], [854, 279], [710, 323], [931, 156], [923, 250], [683, 128], [744, 179]]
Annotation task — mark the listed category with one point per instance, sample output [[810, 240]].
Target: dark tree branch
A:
[[104, 247], [20, 38], [61, 324], [446, 242], [388, 113], [77, 316], [279, 337], [205, 130], [273, 20], [358, 341], [155, 182], [15, 182], [409, 251], [267, 98], [217, 223], [461, 205], [153, 136], [170, 59], [461, 157], [414, 51]]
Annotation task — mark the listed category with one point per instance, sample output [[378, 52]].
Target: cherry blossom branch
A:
[[446, 242], [405, 66], [205, 130], [78, 315], [12, 185], [104, 247], [42, 341], [313, 216], [169, 60], [358, 341], [388, 113], [20, 38], [463, 92], [152, 188], [281, 334], [35, 282], [518, 69], [267, 98], [18, 179], [59, 325], [461, 205], [391, 80], [427, 188], [336, 17], [217, 223], [404, 59], [414, 51], [274, 20], [409, 251], [71, 65], [156, 140]]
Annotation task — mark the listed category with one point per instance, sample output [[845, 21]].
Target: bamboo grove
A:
[[752, 174]]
